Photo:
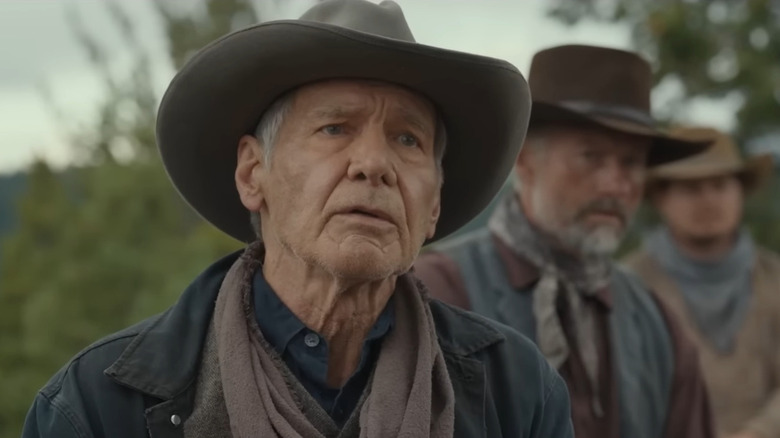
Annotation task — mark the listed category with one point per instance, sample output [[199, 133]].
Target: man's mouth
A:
[[606, 210], [368, 213], [606, 213], [603, 215]]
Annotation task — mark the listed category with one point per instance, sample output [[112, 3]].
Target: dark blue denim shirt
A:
[[306, 352]]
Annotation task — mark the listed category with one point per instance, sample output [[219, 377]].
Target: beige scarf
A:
[[410, 395]]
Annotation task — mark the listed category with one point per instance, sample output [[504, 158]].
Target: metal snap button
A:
[[175, 420], [311, 340]]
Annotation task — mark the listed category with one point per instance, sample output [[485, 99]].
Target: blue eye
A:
[[332, 129], [408, 140]]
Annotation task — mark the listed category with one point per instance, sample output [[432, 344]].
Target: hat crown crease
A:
[[385, 19]]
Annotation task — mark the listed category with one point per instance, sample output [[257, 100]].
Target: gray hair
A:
[[271, 121]]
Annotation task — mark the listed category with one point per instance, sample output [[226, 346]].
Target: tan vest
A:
[[744, 385]]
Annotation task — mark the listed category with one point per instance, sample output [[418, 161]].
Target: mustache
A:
[[605, 206]]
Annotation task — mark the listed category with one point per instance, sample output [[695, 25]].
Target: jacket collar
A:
[[459, 332], [462, 333], [162, 360]]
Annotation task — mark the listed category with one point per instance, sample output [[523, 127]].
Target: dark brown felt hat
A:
[[221, 93], [723, 158], [601, 86]]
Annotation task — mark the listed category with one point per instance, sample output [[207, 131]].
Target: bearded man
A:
[[723, 287], [543, 265]]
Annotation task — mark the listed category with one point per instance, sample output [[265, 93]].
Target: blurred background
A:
[[93, 237]]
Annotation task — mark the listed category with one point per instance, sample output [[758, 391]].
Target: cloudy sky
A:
[[38, 51]]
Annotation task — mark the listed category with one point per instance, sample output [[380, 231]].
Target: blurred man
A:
[[724, 288], [329, 132], [543, 265]]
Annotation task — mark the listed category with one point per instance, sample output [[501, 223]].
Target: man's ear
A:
[[524, 166], [250, 170]]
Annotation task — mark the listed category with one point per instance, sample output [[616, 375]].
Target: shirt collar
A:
[[280, 325], [277, 322], [384, 323]]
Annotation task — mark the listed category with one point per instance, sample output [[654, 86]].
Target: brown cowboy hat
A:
[[722, 158], [604, 87], [221, 93]]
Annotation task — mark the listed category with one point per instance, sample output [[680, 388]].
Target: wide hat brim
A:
[[665, 148], [220, 94], [755, 172]]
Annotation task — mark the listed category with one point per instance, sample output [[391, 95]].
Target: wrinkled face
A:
[[701, 209], [353, 185], [582, 185]]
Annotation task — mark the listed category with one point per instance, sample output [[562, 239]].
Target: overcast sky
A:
[[38, 50]]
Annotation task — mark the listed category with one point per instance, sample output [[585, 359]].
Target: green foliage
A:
[[10, 188], [110, 242], [763, 214]]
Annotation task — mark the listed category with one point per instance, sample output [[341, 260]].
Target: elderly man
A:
[[723, 287], [543, 265], [330, 130]]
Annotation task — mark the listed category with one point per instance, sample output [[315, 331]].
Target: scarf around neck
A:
[[410, 395], [716, 292], [562, 276]]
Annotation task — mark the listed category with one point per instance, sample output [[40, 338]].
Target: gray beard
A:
[[597, 242]]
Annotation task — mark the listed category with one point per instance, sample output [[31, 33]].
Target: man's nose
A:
[[371, 158], [618, 180]]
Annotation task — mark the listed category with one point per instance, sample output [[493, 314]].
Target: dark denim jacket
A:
[[140, 382]]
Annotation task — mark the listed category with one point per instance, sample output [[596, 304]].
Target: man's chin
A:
[[598, 242], [704, 239], [362, 262], [601, 248]]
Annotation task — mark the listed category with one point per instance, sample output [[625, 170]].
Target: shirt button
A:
[[175, 420], [311, 340]]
